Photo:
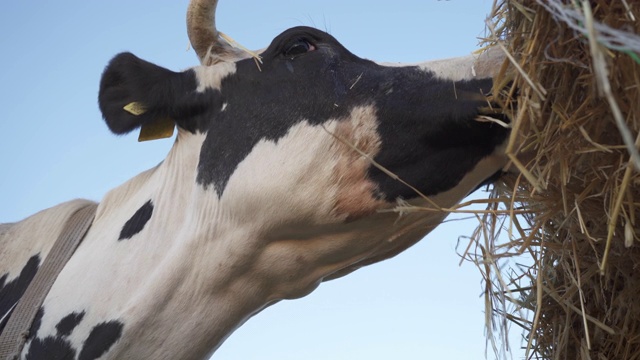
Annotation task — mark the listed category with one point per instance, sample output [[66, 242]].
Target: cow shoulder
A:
[[23, 247]]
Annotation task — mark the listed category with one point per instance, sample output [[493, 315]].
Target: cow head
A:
[[308, 149]]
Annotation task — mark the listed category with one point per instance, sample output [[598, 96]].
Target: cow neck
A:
[[192, 292]]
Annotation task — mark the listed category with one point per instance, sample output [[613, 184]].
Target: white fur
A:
[[210, 77], [473, 66], [456, 69]]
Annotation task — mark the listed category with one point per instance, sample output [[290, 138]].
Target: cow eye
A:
[[299, 47]]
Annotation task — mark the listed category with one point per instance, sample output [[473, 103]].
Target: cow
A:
[[284, 174]]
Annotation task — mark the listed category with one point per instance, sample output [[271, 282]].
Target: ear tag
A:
[[157, 129], [135, 108]]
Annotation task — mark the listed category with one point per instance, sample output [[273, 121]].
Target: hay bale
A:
[[560, 248]]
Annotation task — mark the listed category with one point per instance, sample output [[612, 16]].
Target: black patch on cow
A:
[[100, 340], [58, 346], [436, 153], [68, 323], [12, 291], [51, 347], [37, 321], [137, 221], [429, 136]]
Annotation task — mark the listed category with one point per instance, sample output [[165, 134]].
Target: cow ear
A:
[[135, 93]]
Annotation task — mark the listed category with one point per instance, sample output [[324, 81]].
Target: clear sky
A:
[[55, 147]]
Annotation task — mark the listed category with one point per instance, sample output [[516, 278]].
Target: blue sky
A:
[[55, 147]]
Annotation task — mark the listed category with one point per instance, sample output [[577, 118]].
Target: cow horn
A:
[[204, 38]]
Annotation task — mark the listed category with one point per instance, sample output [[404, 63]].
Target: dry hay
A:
[[560, 250]]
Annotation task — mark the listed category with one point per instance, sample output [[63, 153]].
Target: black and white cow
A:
[[278, 180]]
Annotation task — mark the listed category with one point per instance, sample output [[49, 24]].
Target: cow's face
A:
[[311, 142]]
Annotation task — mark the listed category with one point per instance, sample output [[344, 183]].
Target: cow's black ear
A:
[[134, 92]]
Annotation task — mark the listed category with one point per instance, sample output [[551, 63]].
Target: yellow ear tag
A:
[[135, 108], [157, 129]]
